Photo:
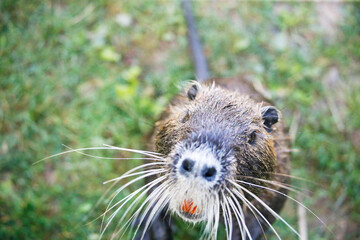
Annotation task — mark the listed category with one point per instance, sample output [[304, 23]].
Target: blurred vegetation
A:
[[84, 73]]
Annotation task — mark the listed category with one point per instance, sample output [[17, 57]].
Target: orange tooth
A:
[[190, 205], [187, 206], [194, 209]]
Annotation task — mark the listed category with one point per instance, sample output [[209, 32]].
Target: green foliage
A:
[[84, 73]]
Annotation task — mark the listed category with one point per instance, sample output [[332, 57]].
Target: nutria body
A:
[[215, 136]]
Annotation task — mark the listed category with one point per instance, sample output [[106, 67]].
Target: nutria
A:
[[221, 155], [215, 139]]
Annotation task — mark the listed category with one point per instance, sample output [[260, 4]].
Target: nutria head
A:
[[210, 138]]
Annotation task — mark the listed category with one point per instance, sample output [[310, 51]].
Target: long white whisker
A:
[[237, 216], [99, 201], [155, 182], [129, 183], [282, 185], [136, 168], [241, 214], [110, 158], [115, 182], [125, 200], [147, 153], [123, 187], [293, 177], [136, 214], [267, 207], [134, 174], [70, 151], [229, 215], [212, 225], [148, 187], [151, 205], [99, 148], [217, 217], [226, 220], [253, 208], [155, 153], [119, 190], [152, 197], [285, 195], [161, 203]]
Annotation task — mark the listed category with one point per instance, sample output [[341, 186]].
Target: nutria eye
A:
[[187, 116], [252, 137]]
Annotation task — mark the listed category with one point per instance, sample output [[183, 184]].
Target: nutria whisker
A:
[[160, 205], [237, 216], [108, 199], [124, 200], [138, 167], [70, 151], [160, 199], [114, 184], [130, 149], [137, 173], [266, 206], [227, 217], [282, 185], [122, 188], [216, 215], [110, 158], [147, 153], [135, 215], [252, 208], [107, 147], [287, 196], [126, 185], [292, 176], [144, 189], [212, 224], [226, 201], [98, 202], [239, 211], [136, 201]]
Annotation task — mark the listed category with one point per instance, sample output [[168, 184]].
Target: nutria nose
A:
[[208, 173], [187, 165]]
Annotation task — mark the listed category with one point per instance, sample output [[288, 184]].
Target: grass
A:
[[84, 73]]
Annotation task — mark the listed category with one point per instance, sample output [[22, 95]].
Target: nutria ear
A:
[[270, 116], [192, 92]]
